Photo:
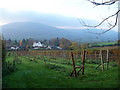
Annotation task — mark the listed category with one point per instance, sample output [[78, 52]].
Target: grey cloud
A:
[[49, 19]]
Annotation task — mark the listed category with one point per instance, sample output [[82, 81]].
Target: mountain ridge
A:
[[20, 30]]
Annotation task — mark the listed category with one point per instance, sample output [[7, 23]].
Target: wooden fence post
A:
[[107, 58], [83, 61], [101, 60], [95, 55], [74, 69]]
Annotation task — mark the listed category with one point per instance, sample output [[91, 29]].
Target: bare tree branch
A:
[[104, 3], [109, 23], [111, 26], [101, 21], [106, 19]]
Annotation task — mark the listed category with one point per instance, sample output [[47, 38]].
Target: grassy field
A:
[[105, 43], [55, 73]]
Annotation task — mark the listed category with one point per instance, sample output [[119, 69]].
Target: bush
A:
[[8, 67]]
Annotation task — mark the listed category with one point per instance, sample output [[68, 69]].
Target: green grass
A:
[[32, 74], [104, 43]]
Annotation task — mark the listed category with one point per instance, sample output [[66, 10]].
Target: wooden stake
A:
[[101, 60], [83, 62], [107, 58], [74, 69], [95, 55]]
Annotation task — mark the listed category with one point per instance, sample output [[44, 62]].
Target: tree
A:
[[14, 43], [45, 42], [65, 43], [9, 42], [55, 42], [104, 2], [30, 42], [74, 46], [84, 46], [118, 41], [20, 42], [2, 50], [24, 43]]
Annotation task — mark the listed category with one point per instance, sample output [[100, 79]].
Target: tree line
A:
[[55, 42]]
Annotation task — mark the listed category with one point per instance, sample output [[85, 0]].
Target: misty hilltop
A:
[[20, 30]]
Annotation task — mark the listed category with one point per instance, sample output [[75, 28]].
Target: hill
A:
[[20, 30]]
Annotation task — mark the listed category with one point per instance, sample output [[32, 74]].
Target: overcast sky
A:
[[70, 8]]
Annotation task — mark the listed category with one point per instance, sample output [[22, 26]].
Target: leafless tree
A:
[[111, 26]]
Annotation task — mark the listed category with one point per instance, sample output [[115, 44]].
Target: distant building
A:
[[14, 48], [39, 44], [56, 48], [49, 47], [59, 48]]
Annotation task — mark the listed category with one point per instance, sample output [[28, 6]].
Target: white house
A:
[[59, 48], [14, 48], [49, 47], [39, 44]]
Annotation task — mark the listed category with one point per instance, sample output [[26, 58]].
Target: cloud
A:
[[49, 19], [72, 8], [55, 20]]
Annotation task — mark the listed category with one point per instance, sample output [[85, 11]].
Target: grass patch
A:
[[57, 75]]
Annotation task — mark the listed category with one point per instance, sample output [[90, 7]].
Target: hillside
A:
[[20, 30]]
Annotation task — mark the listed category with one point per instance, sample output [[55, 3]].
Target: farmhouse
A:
[[38, 45], [12, 48]]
